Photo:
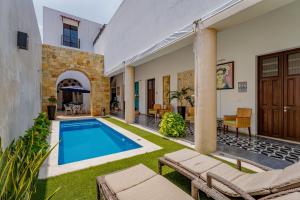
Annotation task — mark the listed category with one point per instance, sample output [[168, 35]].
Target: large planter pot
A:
[[181, 111], [51, 112]]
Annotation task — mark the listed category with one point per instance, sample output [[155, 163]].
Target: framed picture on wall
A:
[[225, 76]]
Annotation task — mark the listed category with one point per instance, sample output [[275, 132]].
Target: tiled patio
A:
[[269, 152]]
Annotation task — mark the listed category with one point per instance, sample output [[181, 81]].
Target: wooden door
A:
[[292, 95], [279, 95], [150, 93], [270, 112]]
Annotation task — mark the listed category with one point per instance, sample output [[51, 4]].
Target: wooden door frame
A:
[[283, 70], [147, 92]]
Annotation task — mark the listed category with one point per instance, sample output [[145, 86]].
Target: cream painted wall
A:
[[275, 31], [137, 25], [178, 61], [19, 69], [53, 29]]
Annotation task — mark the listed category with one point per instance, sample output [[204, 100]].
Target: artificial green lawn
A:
[[82, 184]]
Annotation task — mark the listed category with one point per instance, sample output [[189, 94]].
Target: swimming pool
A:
[[90, 138]]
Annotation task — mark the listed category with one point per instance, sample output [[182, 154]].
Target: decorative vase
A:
[[51, 112], [181, 111]]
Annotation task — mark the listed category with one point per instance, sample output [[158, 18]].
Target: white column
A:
[[129, 94], [205, 52]]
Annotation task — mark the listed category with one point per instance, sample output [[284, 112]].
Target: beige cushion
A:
[[254, 184], [225, 171], [156, 188], [290, 177], [292, 196], [200, 164], [181, 155], [128, 178]]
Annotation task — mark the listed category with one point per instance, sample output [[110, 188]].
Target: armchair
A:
[[166, 108], [190, 115], [155, 110], [241, 120]]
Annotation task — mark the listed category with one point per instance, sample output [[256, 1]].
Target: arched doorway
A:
[[58, 63], [73, 87]]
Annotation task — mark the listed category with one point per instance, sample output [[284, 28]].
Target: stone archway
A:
[[57, 60]]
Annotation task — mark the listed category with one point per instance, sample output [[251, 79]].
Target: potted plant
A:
[[51, 107], [115, 105], [182, 95]]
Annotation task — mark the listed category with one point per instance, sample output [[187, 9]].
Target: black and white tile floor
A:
[[269, 152]]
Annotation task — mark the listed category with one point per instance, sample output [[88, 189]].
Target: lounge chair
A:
[[293, 194], [197, 184], [138, 183], [209, 171]]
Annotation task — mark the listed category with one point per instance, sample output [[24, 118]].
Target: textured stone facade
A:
[[166, 90], [57, 60], [186, 79]]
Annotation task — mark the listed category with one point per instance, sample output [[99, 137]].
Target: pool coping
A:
[[50, 167]]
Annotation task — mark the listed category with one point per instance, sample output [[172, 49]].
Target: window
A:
[[294, 64], [70, 36], [270, 67]]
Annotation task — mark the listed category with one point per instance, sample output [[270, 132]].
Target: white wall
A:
[[275, 31], [137, 25], [84, 81], [53, 29], [178, 61], [19, 69]]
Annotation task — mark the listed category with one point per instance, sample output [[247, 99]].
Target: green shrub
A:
[[21, 160], [38, 133], [173, 125]]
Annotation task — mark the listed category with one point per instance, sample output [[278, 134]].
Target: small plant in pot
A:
[[181, 95], [115, 105], [51, 108]]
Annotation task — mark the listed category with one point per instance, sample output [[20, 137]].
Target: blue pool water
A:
[[85, 139]]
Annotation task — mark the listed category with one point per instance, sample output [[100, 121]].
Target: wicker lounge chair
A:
[[214, 177], [138, 183], [197, 184]]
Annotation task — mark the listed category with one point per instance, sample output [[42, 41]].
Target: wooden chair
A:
[[241, 120], [190, 115], [166, 108], [155, 110], [190, 118]]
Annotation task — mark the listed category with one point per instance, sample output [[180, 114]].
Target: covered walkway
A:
[[269, 152]]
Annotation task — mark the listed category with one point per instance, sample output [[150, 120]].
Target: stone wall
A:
[[186, 80], [166, 89], [57, 60]]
